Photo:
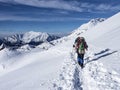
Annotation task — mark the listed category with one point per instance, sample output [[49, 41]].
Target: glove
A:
[[73, 45]]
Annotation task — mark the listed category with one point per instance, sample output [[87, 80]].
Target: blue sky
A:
[[52, 16]]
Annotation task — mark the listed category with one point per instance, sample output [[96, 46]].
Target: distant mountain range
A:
[[31, 38]]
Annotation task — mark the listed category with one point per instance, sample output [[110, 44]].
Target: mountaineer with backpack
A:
[[80, 46]]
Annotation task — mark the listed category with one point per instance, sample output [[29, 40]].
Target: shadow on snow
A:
[[101, 54]]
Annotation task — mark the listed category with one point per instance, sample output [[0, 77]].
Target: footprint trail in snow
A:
[[94, 76]]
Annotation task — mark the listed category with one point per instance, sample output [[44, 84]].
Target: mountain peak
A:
[[30, 36], [96, 20], [92, 23]]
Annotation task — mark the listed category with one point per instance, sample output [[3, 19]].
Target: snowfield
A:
[[56, 68]]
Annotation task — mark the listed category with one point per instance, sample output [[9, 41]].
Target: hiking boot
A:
[[82, 66]]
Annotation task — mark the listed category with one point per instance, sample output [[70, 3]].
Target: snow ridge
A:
[[87, 26]]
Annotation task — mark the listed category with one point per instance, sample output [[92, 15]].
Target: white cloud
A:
[[69, 5], [57, 4], [104, 7], [4, 17]]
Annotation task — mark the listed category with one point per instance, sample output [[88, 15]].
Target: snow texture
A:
[[56, 67]]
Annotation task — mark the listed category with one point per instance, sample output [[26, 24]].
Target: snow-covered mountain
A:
[[87, 26], [31, 38], [56, 68], [83, 28], [34, 37]]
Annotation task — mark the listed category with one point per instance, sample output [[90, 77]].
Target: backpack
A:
[[81, 48], [80, 45]]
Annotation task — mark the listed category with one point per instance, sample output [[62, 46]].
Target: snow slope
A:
[[88, 26], [104, 44], [33, 71], [56, 68], [106, 27], [105, 36]]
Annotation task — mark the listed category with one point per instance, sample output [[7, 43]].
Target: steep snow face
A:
[[34, 36], [105, 34], [28, 36], [92, 23], [103, 41], [14, 38]]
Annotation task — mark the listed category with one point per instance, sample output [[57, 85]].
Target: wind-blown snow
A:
[[56, 68]]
